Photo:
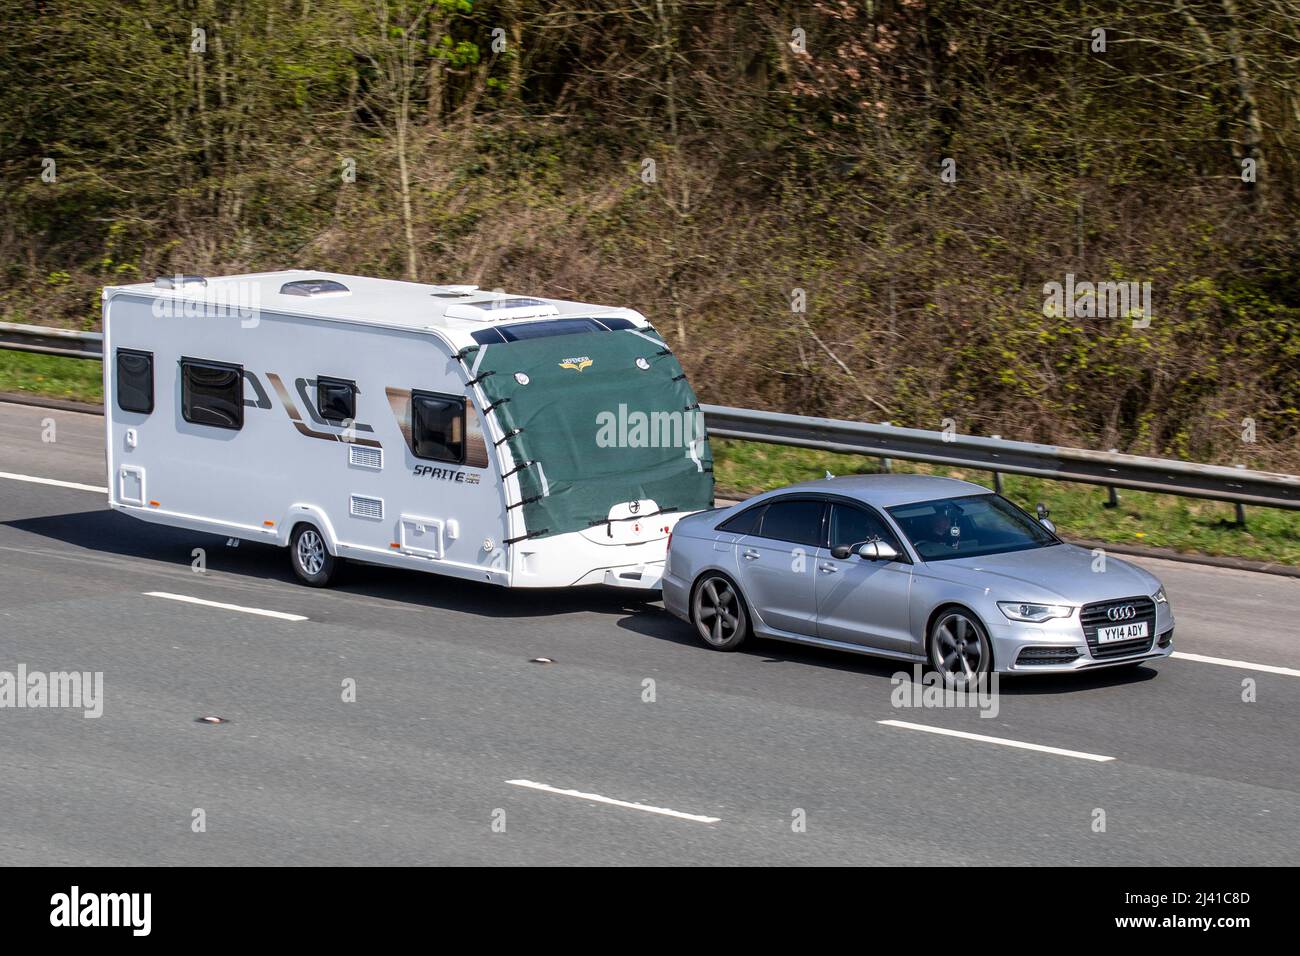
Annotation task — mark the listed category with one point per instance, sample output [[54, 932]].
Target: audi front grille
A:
[[1096, 615]]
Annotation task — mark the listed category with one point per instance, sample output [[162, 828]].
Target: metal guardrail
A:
[[1159, 475], [65, 342]]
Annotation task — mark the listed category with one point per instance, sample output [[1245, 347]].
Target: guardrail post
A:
[[887, 464], [1112, 495], [1240, 508], [997, 475]]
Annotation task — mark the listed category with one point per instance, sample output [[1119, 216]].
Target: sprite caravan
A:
[[521, 441]]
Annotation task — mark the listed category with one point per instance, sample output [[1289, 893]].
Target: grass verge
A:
[[53, 376]]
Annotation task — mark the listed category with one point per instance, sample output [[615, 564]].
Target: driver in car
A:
[[944, 530]]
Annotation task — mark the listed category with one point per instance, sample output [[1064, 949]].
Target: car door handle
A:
[[828, 569], [749, 554]]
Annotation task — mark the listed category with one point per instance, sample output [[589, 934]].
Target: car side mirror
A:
[[841, 552], [1048, 524], [878, 551]]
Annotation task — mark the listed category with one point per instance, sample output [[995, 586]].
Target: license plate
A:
[[1121, 632]]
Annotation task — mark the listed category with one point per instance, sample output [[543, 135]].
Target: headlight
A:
[[1034, 613], [1159, 596]]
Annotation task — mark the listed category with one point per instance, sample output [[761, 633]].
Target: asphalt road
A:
[[449, 709]]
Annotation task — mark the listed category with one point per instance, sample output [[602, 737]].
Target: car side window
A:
[[797, 521], [744, 523], [850, 526]]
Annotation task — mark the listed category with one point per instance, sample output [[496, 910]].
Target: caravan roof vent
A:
[[516, 303], [454, 291], [315, 288], [178, 281], [490, 310]]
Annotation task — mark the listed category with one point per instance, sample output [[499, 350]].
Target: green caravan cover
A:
[[607, 417]]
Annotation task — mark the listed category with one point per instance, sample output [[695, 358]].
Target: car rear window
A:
[[798, 521], [744, 523]]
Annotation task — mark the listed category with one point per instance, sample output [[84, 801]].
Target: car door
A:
[[860, 601], [775, 564]]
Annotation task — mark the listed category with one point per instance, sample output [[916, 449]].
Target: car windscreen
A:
[[968, 527]]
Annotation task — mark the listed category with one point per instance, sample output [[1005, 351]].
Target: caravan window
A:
[[438, 427], [212, 393], [134, 381], [520, 331], [336, 399]]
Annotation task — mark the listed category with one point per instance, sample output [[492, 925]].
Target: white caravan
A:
[[521, 441]]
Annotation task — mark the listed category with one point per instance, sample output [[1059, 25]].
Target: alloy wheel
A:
[[719, 614], [958, 650], [311, 552]]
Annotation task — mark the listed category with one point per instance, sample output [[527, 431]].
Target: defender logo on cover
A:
[[577, 364]]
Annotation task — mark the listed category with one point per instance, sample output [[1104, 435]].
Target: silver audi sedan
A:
[[915, 568]]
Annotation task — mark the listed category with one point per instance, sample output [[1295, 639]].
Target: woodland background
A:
[[784, 160]]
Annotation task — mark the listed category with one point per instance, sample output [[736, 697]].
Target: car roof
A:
[[884, 491]]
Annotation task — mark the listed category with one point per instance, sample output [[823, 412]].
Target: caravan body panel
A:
[[361, 485], [277, 457]]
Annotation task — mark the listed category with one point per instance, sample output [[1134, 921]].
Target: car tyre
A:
[[311, 559], [959, 647], [718, 613]]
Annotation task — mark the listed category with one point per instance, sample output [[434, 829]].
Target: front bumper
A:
[[574, 560], [1060, 646]]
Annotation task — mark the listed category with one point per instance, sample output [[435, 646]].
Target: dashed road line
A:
[[1244, 665], [1003, 741], [186, 599], [597, 798], [75, 486]]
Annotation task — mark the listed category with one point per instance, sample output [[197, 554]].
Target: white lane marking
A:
[[1244, 665], [597, 798], [227, 607], [1099, 758], [53, 481]]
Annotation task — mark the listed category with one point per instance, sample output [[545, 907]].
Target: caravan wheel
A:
[[312, 561]]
